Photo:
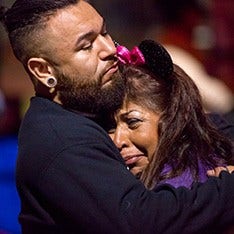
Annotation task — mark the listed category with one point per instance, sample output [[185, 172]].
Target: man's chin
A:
[[94, 98]]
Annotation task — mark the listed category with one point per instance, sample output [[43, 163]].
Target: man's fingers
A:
[[216, 171]]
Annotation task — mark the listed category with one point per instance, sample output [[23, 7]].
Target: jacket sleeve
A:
[[94, 193]]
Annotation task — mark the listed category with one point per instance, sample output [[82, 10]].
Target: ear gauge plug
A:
[[51, 82]]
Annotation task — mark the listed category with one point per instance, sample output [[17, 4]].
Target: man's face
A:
[[84, 59]]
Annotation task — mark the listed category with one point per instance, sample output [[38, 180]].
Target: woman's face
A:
[[135, 135]]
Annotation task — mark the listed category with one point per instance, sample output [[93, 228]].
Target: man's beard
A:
[[91, 97]]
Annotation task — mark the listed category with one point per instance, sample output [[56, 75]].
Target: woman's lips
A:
[[132, 159]]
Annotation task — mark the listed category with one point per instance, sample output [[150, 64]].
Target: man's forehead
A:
[[80, 15], [82, 10], [75, 21]]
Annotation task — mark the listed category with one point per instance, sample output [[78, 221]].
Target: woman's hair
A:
[[186, 136]]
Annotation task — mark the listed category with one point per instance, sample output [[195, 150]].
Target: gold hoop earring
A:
[[51, 82]]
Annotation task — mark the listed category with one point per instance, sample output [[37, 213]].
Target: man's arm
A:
[[97, 194]]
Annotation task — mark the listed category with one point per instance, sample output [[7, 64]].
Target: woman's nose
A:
[[121, 139]]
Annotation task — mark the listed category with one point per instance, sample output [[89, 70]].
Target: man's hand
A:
[[217, 170]]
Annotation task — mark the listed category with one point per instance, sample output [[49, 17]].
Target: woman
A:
[[162, 122]]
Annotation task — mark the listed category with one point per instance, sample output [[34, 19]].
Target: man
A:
[[70, 176]]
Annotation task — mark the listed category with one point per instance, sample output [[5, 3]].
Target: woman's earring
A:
[[51, 82]]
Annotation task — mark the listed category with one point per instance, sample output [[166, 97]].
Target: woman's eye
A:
[[133, 122]]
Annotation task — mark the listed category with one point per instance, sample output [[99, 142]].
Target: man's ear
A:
[[40, 69]]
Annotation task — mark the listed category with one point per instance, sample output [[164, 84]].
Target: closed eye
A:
[[88, 47], [111, 131], [104, 31], [133, 123]]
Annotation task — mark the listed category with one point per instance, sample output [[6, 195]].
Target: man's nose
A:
[[107, 48]]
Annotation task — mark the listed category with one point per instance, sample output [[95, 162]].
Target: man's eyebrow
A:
[[90, 33]]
